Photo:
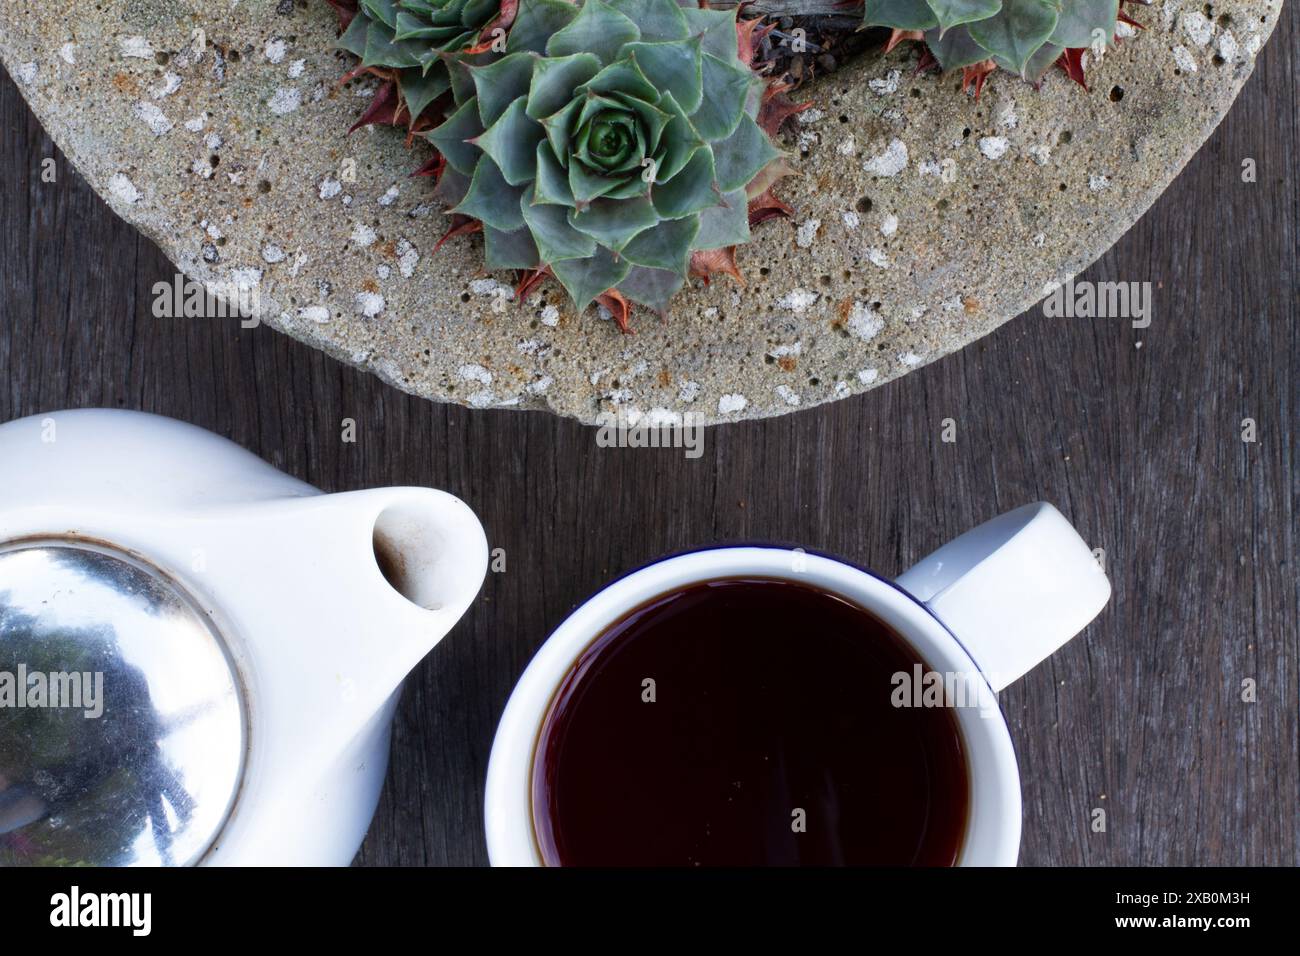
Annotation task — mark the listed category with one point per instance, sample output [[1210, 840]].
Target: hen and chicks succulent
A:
[[1025, 37], [619, 146]]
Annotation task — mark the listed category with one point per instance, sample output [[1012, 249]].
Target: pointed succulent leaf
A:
[[597, 104], [586, 185], [679, 142], [951, 13], [509, 250], [452, 137], [384, 49], [556, 239], [536, 22], [500, 83], [614, 223], [623, 77], [666, 245], [512, 142], [552, 182], [899, 14], [675, 67], [653, 288], [452, 187], [726, 224], [411, 27], [584, 279], [634, 186], [955, 48], [1086, 23], [656, 19], [419, 91], [560, 127], [717, 28], [690, 191], [728, 85], [385, 11], [738, 158], [1016, 31], [492, 199], [1042, 61], [354, 37], [555, 79], [473, 13], [754, 100], [459, 69], [598, 28], [432, 58]]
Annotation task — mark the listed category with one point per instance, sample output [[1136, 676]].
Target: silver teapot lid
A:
[[122, 726]]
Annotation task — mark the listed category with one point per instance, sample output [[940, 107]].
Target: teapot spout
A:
[[333, 599], [412, 546]]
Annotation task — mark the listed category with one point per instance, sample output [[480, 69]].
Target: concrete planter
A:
[[923, 218]]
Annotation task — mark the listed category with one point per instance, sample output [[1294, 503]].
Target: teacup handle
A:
[[1012, 590]]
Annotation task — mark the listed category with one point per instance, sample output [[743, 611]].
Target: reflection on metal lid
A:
[[122, 730]]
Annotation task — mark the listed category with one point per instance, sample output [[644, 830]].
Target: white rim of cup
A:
[[993, 818]]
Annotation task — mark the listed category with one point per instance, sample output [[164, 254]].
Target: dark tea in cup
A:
[[745, 722]]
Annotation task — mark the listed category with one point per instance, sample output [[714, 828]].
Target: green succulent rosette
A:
[[1024, 37], [609, 143], [415, 38]]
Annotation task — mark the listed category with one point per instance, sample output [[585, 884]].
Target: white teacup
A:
[[993, 603]]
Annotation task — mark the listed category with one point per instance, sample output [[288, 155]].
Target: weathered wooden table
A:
[[1135, 434]]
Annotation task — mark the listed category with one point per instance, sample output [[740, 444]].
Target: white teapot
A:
[[200, 656]]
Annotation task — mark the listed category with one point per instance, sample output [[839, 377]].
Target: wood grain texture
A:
[[1140, 447]]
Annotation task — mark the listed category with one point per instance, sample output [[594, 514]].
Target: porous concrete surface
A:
[[924, 219]]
